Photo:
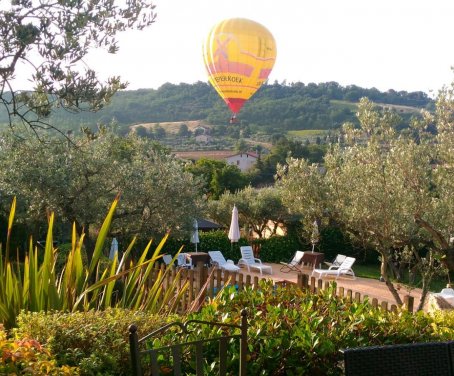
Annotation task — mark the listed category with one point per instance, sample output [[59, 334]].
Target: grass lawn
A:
[[373, 271]]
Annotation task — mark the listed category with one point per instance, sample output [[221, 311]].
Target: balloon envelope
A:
[[239, 55]]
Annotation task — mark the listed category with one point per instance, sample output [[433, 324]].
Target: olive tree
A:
[[51, 38], [80, 179], [381, 187], [260, 209]]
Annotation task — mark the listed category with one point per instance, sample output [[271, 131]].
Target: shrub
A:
[[28, 357], [278, 248], [297, 333], [96, 341], [291, 332], [209, 241]]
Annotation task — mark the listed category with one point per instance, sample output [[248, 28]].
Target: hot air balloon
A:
[[239, 55]]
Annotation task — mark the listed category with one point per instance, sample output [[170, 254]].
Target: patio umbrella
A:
[[195, 234], [234, 231], [315, 236], [113, 248]]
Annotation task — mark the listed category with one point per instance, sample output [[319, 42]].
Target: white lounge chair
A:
[[183, 261], [167, 259], [337, 261], [293, 264], [248, 259], [218, 258], [343, 269]]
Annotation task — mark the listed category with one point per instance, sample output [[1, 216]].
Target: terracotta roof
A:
[[247, 153]]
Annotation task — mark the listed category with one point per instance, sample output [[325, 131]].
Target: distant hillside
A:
[[170, 126], [274, 108]]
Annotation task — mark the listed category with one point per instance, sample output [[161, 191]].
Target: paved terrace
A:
[[373, 288]]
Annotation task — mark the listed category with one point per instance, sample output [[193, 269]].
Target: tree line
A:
[[286, 106]]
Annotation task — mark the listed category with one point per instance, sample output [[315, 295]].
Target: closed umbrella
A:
[[195, 234], [315, 236], [234, 231], [113, 248]]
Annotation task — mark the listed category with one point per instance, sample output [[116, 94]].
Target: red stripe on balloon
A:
[[235, 104]]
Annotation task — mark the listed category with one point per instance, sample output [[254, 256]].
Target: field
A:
[[398, 108], [171, 127], [307, 133]]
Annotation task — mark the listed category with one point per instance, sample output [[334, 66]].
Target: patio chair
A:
[[339, 259], [294, 264], [343, 269], [167, 259], [218, 259], [183, 261], [248, 259]]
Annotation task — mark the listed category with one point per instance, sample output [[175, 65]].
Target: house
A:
[[203, 138], [244, 160]]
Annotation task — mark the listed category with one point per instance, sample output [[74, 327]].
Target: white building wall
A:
[[243, 161]]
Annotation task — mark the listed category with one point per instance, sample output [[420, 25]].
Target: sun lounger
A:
[[248, 259], [337, 261], [343, 269], [294, 264], [218, 258]]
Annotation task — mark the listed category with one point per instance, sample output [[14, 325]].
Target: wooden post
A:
[[341, 292], [349, 295], [248, 280], [312, 284], [358, 297], [240, 281], [409, 302], [384, 306]]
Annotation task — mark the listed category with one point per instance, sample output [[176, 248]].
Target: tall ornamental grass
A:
[[36, 286]]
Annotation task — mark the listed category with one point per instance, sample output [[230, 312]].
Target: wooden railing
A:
[[207, 282]]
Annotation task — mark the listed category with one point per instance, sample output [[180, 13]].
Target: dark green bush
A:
[[209, 241], [291, 332], [278, 248], [296, 333], [96, 342]]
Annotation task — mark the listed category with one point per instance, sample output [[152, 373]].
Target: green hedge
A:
[[291, 332], [296, 333], [96, 342], [274, 249]]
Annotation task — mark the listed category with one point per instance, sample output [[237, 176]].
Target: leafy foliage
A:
[[59, 35], [80, 179], [274, 108], [95, 341], [27, 356], [260, 210], [35, 286], [291, 332], [383, 189]]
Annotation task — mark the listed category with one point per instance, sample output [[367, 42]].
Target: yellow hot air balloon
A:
[[239, 55]]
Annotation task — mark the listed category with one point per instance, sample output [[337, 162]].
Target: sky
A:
[[386, 44]]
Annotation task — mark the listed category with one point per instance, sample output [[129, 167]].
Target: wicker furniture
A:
[[416, 359]]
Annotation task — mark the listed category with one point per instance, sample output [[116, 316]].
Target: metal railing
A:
[[177, 350]]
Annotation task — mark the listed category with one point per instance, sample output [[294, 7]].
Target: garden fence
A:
[[206, 282]]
